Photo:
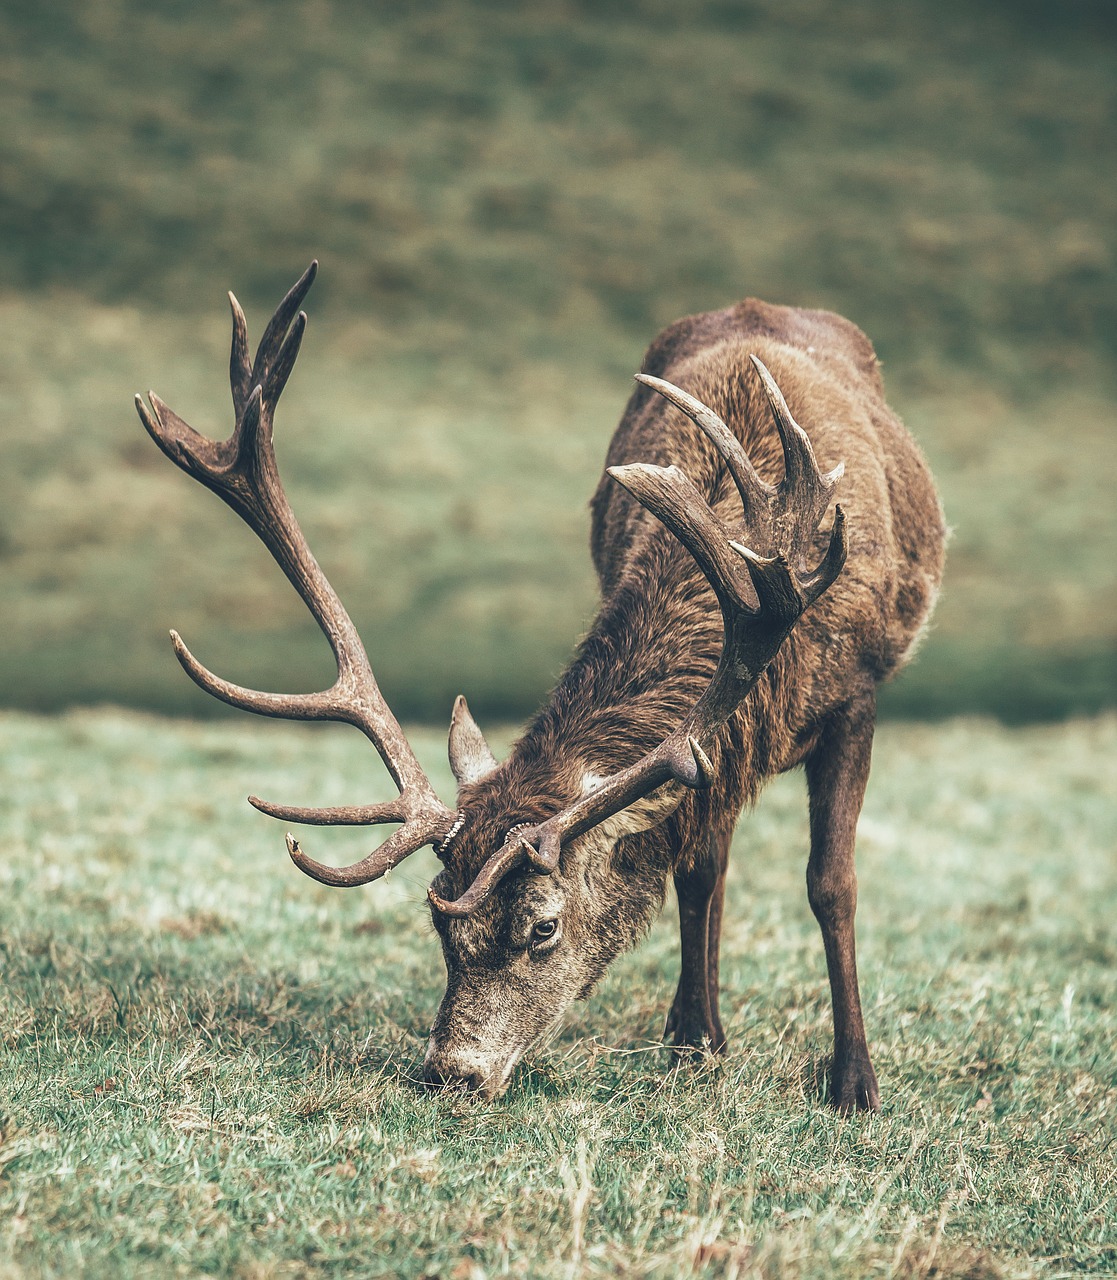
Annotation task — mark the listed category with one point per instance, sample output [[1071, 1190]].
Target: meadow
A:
[[509, 202], [209, 1065]]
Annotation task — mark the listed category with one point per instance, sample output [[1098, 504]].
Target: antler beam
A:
[[242, 472]]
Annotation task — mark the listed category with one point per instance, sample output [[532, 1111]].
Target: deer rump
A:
[[742, 631]]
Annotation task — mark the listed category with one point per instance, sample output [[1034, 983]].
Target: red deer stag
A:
[[734, 641]]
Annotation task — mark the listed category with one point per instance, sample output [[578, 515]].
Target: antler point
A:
[[749, 554], [702, 762], [624, 470], [439, 904]]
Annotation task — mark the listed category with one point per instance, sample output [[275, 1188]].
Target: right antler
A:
[[243, 473], [780, 522]]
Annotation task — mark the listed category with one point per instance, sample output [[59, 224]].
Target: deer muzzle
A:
[[467, 1068]]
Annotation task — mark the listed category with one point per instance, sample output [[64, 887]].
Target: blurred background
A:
[[509, 201]]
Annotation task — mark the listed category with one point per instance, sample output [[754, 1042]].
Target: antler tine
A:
[[399, 845], [804, 492], [240, 368], [177, 439], [350, 815], [283, 706], [280, 323], [671, 496], [753, 490], [753, 631], [242, 472], [243, 374], [814, 584]]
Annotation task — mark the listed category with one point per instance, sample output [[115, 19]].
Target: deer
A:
[[745, 624]]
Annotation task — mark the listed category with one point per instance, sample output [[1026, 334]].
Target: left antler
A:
[[243, 473], [762, 586]]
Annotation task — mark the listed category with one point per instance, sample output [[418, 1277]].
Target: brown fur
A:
[[657, 638]]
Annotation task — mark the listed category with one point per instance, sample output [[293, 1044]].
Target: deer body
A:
[[717, 659], [656, 642]]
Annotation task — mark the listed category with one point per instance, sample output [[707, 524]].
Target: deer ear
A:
[[470, 757]]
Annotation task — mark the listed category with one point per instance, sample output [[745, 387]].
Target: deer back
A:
[[867, 623]]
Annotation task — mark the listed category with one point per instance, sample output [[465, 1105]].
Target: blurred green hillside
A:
[[509, 201]]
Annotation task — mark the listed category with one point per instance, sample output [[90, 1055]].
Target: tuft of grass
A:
[[208, 1064]]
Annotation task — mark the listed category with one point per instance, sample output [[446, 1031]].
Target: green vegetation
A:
[[208, 1064], [509, 202]]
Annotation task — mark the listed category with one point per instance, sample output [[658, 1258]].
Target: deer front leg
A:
[[693, 1022], [837, 771]]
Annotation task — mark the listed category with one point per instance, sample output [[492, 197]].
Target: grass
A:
[[422, 498], [509, 202], [208, 1064]]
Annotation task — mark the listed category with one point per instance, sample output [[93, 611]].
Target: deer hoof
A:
[[853, 1086], [693, 1040]]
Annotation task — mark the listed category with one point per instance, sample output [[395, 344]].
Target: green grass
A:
[[509, 202], [208, 1064], [452, 519]]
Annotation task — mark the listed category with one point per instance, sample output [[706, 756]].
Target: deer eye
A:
[[544, 930]]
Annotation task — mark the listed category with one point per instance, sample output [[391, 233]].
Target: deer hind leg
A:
[[693, 1022], [837, 771]]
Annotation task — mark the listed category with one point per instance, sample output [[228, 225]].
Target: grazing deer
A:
[[734, 641]]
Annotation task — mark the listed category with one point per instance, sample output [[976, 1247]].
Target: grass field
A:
[[208, 1065], [509, 202]]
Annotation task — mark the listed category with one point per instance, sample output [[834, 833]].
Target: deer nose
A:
[[435, 1077], [458, 1066]]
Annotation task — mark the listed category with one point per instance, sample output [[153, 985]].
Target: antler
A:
[[761, 584], [242, 472]]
